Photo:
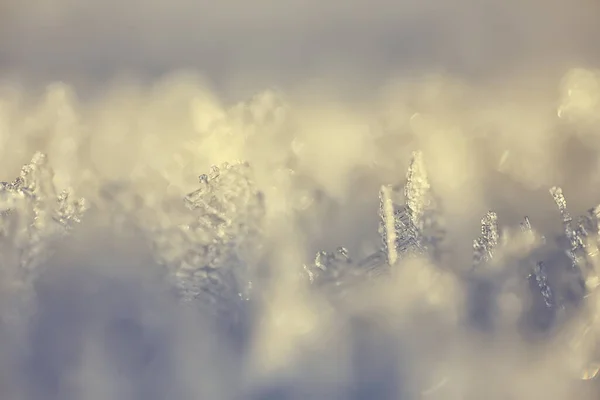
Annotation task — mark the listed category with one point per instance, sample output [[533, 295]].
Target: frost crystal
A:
[[329, 267], [32, 219], [538, 272], [387, 224], [69, 210], [541, 280], [484, 246], [526, 225], [409, 224], [338, 274], [412, 225], [417, 189], [575, 235], [208, 256]]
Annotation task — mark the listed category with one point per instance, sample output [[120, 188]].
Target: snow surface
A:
[[392, 200]]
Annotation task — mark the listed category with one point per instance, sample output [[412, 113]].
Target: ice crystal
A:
[[541, 280], [411, 224], [208, 256], [399, 234], [329, 267], [485, 245], [33, 218], [387, 224], [34, 214], [526, 225], [338, 274], [574, 234]]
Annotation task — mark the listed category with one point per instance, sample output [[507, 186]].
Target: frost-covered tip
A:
[[413, 226], [35, 187], [416, 190], [574, 235], [561, 202]]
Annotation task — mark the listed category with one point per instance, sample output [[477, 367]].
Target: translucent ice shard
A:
[[337, 274], [541, 280], [387, 224], [574, 235], [589, 225], [526, 225], [399, 234], [538, 273], [330, 267], [410, 220], [417, 189], [485, 245]]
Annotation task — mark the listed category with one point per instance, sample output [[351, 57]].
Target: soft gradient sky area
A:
[[269, 42]]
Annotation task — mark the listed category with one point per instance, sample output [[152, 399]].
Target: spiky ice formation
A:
[[417, 190], [329, 267], [387, 224], [485, 245], [33, 215], [208, 257], [541, 278], [33, 218], [574, 234], [410, 224], [538, 274]]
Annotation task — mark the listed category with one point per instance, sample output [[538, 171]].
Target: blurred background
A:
[[250, 45]]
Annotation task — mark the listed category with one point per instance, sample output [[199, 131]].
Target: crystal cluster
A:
[[211, 248], [33, 218], [574, 234], [485, 246], [209, 256], [412, 223], [212, 244], [582, 239]]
